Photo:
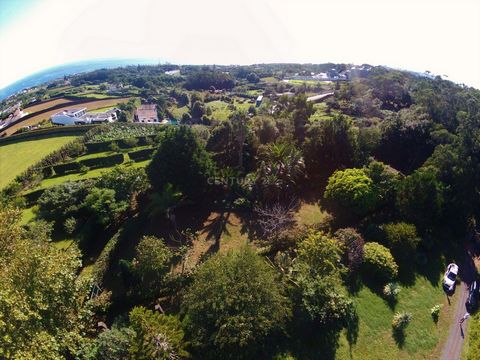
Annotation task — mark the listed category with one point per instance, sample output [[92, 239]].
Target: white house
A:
[[79, 116], [70, 117]]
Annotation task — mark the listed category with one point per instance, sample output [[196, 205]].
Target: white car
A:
[[450, 277]]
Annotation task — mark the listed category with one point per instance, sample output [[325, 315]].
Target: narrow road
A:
[[454, 344], [456, 337]]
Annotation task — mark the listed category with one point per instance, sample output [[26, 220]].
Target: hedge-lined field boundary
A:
[[47, 132], [141, 155], [96, 147], [93, 163]]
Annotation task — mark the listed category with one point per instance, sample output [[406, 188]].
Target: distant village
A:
[[12, 109]]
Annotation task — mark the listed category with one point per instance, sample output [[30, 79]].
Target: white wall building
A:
[[79, 116]]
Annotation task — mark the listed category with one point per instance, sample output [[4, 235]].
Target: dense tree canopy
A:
[[181, 160], [330, 145], [233, 304], [351, 189], [40, 298]]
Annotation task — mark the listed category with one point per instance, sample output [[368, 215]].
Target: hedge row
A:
[[47, 132], [33, 196], [141, 155], [94, 163], [95, 147]]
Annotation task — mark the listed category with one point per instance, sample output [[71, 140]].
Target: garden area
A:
[[287, 231]]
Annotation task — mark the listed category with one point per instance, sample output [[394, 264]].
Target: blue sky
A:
[[442, 36]]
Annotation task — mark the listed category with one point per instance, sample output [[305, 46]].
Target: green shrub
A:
[[59, 202], [83, 169], [71, 167], [140, 155], [104, 161], [435, 312], [103, 207], [401, 320], [379, 262], [47, 171], [391, 291], [129, 142], [351, 189], [157, 336], [402, 239], [114, 146], [234, 305], [70, 225]]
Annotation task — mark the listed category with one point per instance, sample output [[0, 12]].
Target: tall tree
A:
[[181, 160], [233, 305], [329, 145]]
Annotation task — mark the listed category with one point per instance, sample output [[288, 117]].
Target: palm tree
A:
[[281, 167], [164, 203]]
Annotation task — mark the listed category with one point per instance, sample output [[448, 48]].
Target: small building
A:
[[259, 100], [70, 117], [173, 72], [102, 117], [146, 113]]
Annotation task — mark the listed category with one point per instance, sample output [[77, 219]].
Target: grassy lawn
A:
[[220, 110], [222, 232], [423, 338], [28, 215], [310, 214], [177, 112], [63, 244], [17, 157], [269, 79]]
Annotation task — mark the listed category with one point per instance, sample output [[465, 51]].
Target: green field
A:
[[177, 112], [220, 110], [422, 336], [17, 157]]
